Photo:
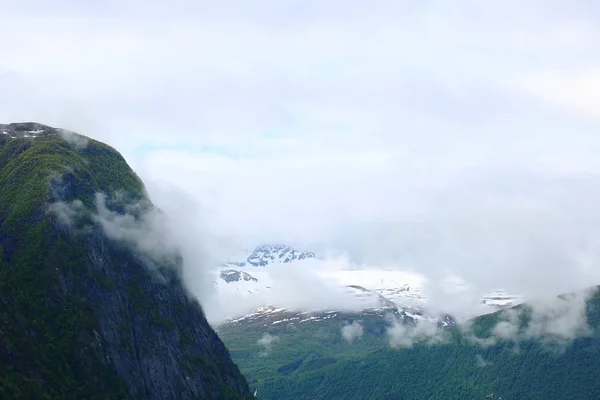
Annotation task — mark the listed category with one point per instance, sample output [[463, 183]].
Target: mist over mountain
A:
[[264, 255], [547, 349], [390, 202], [92, 299], [279, 277], [317, 328]]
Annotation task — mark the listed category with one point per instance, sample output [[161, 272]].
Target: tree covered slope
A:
[[498, 353], [85, 314]]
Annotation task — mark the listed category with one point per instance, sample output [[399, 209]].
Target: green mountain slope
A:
[[85, 314], [313, 361]]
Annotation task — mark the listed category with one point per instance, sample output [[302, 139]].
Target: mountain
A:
[[528, 352], [87, 309], [255, 296], [367, 303], [269, 254], [251, 273], [256, 283]]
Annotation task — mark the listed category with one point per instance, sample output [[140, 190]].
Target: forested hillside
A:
[[85, 312], [313, 361]]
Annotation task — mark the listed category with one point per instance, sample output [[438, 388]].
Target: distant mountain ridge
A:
[[365, 356], [248, 275], [268, 254], [250, 279]]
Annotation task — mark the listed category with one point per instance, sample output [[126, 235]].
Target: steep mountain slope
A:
[[513, 353], [85, 312]]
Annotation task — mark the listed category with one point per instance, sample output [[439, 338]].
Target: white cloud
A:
[[576, 91], [561, 319], [353, 331], [266, 341], [144, 228], [554, 321], [66, 212], [459, 139], [74, 139], [161, 236], [481, 362], [407, 335], [303, 286], [508, 327]]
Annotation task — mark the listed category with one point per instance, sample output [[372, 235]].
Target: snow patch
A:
[[271, 279]]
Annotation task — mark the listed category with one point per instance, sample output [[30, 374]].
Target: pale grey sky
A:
[[339, 124]]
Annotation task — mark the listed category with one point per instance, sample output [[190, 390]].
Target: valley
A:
[[370, 356], [381, 337]]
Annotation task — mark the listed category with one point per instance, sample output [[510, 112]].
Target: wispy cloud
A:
[[407, 335], [161, 238], [266, 341], [79, 141], [481, 362], [555, 322], [353, 331]]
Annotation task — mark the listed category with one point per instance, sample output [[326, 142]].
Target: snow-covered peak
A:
[[28, 130], [241, 293], [313, 285], [268, 254], [231, 275], [33, 130]]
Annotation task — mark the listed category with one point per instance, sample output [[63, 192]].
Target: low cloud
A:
[[310, 285], [560, 320], [481, 362], [266, 342], [407, 335], [162, 238], [555, 322], [74, 139], [148, 232], [352, 331], [142, 226], [301, 286], [66, 212]]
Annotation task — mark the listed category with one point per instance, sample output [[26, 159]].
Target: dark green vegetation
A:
[[83, 316], [313, 361]]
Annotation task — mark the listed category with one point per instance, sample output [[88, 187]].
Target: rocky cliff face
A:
[[84, 313]]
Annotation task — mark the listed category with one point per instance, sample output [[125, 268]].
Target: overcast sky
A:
[[456, 136]]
